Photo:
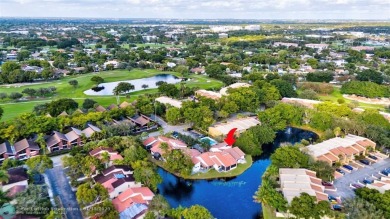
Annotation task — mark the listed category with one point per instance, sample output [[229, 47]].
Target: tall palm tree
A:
[[105, 159], [4, 176]]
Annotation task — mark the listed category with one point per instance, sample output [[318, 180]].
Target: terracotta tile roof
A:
[[149, 140], [358, 147], [132, 196], [366, 143], [15, 190], [123, 168], [99, 150], [235, 152], [321, 196]]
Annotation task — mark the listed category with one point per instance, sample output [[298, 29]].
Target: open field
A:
[[333, 97], [64, 90]]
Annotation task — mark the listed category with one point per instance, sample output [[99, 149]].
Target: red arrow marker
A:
[[230, 137]]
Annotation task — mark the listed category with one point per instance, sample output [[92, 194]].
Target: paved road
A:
[[61, 187], [342, 184], [169, 128]]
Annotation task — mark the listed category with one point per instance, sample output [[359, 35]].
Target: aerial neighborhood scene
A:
[[194, 109]]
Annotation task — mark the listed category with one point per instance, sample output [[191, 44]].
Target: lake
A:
[[230, 198], [151, 82]]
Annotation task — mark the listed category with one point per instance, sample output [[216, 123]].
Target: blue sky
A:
[[202, 9]]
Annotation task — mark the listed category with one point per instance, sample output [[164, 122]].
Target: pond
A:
[[151, 82], [229, 198]]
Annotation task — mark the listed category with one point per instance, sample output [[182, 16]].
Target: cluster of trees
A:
[[176, 161], [292, 157], [365, 89], [370, 75], [379, 200], [321, 76], [251, 140], [11, 72], [171, 90], [160, 208]]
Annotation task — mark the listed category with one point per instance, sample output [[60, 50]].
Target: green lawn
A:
[[268, 212], [213, 174], [64, 90], [336, 94]]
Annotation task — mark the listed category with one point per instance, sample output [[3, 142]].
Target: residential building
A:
[[208, 94], [133, 203], [304, 102], [59, 141], [6, 151], [18, 177], [276, 44], [319, 46], [340, 150], [242, 124], [154, 144], [167, 100], [224, 91], [142, 122], [222, 159], [116, 179], [113, 155], [25, 149], [293, 182]]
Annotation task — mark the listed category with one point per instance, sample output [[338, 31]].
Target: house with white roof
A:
[[340, 150], [293, 182]]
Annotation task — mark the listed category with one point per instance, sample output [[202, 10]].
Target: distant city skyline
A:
[[200, 9]]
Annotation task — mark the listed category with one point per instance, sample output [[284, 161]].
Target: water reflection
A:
[[150, 82], [229, 198]]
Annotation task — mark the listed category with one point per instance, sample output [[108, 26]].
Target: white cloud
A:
[[259, 9]]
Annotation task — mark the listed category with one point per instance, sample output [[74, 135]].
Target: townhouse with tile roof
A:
[[293, 182], [340, 150]]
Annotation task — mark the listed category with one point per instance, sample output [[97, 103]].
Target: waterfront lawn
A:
[[268, 212], [213, 174]]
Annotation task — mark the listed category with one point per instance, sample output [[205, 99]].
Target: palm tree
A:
[[4, 176], [105, 159]]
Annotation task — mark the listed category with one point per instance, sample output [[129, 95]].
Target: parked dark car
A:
[[366, 181], [348, 167], [385, 172], [337, 207], [327, 184], [373, 157], [340, 171], [366, 162], [332, 198]]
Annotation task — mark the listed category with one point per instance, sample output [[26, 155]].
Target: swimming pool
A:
[[209, 141]]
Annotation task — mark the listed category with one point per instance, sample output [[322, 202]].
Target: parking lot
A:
[[343, 184]]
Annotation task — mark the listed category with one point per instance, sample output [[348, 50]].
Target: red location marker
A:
[[230, 137]]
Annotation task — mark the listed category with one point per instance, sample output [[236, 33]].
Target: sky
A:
[[199, 9]]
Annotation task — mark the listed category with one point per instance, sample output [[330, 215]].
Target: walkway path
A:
[[61, 187]]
